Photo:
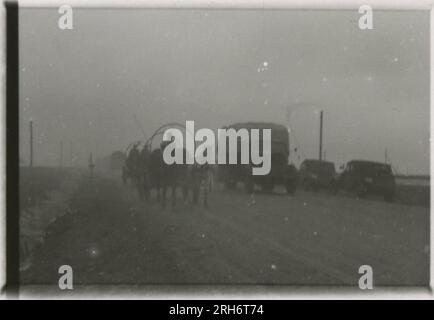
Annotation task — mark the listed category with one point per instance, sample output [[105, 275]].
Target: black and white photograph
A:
[[222, 149]]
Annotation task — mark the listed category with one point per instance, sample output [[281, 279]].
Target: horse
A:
[[188, 177], [164, 176], [200, 177], [131, 163]]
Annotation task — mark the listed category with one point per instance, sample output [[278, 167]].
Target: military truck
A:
[[281, 171]]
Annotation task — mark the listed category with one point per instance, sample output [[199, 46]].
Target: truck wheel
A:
[[361, 190], [196, 195], [389, 197], [333, 188], [268, 186], [291, 179]]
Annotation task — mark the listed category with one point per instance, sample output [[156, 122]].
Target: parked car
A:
[[315, 174], [366, 177]]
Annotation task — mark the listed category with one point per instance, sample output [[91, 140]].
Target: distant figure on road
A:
[[91, 165]]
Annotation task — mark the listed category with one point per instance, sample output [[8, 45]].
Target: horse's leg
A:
[[196, 190], [185, 192], [194, 187], [146, 187], [205, 193], [173, 194], [138, 186], [211, 181], [184, 184], [158, 189], [142, 186], [164, 195]]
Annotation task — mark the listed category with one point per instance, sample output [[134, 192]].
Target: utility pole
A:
[[31, 143], [386, 158], [61, 154], [320, 135]]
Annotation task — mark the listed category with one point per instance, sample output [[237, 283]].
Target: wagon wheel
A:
[[161, 130]]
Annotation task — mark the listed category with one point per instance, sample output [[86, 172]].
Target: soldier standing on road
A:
[[166, 142]]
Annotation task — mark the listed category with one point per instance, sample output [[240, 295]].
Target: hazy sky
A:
[[216, 67]]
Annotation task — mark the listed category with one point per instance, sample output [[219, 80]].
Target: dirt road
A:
[[111, 237]]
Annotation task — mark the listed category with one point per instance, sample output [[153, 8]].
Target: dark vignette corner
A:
[[12, 101]]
